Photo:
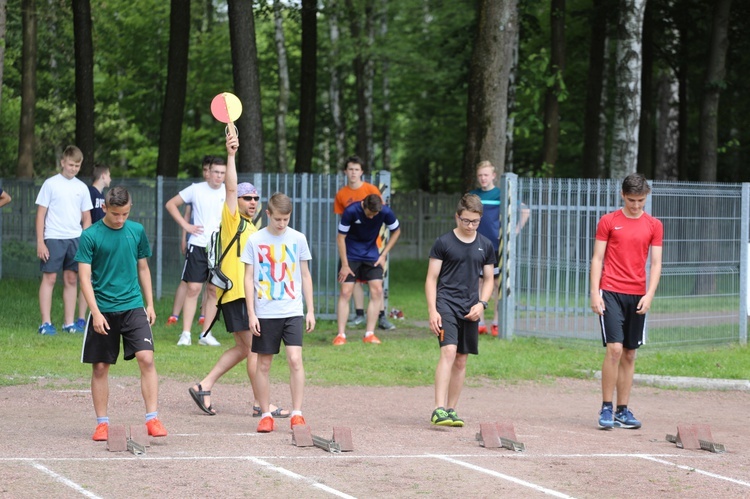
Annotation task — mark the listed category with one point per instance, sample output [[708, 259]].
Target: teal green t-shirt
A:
[[113, 256]]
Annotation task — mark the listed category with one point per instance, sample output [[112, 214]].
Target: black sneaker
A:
[[440, 417], [458, 422]]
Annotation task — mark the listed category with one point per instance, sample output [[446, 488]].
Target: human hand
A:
[[344, 272], [42, 252]]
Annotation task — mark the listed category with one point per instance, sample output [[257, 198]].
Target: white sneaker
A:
[[209, 340], [185, 340]]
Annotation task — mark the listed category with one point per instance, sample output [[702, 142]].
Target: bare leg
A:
[[100, 388], [263, 381], [296, 375], [443, 374], [149, 379], [179, 298], [345, 294], [230, 358], [70, 294], [625, 376], [359, 296], [209, 309], [610, 369], [376, 303], [458, 374], [45, 295], [191, 303]]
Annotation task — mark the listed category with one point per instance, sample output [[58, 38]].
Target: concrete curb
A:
[[742, 385]]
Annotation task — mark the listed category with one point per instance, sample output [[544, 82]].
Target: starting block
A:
[[496, 435], [340, 442], [695, 437], [118, 440]]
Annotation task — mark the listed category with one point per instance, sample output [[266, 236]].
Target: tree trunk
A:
[[667, 128], [339, 128], [627, 105], [308, 86], [385, 66], [84, 62], [555, 71], [592, 137], [715, 72], [3, 27], [646, 125], [282, 106], [25, 167], [170, 135], [250, 157], [362, 70], [487, 108]]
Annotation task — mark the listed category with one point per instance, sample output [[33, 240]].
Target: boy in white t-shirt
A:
[[277, 278], [207, 199], [63, 211]]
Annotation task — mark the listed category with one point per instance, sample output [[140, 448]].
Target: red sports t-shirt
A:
[[628, 241]]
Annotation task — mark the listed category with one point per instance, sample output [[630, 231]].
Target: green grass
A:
[[407, 356]]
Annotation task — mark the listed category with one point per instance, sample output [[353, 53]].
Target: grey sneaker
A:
[[384, 323], [357, 321]]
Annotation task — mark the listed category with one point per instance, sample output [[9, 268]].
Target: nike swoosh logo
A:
[[618, 228]]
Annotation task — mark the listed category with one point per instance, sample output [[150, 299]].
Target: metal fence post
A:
[[506, 256], [384, 184], [744, 270], [159, 236]]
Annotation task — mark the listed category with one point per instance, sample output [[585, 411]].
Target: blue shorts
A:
[[62, 256]]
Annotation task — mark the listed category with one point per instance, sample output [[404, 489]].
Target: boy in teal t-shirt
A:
[[112, 260]]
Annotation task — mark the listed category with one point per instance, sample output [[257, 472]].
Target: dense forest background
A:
[[400, 83]]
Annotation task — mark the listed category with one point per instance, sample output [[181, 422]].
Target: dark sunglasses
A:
[[251, 198]]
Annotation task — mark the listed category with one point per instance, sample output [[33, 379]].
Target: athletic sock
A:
[[296, 413], [105, 419], [343, 335], [606, 404], [360, 312], [382, 313], [151, 415], [369, 333], [621, 408], [266, 415]]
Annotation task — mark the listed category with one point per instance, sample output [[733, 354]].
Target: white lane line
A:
[[65, 481], [692, 468], [294, 475], [513, 479]]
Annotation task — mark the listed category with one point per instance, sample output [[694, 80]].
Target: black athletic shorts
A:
[[364, 272], [196, 265], [235, 315], [131, 325], [620, 322], [460, 332], [273, 331]]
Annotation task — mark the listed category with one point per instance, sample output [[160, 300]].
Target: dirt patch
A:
[[46, 446]]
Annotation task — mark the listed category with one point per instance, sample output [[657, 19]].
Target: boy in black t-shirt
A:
[[454, 303]]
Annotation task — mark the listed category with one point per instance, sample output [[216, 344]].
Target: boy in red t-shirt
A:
[[620, 296]]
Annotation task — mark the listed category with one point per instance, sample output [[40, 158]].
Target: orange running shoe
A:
[[297, 420], [482, 329], [266, 425], [101, 433], [173, 319], [201, 320], [494, 330], [155, 428], [371, 339], [339, 340]]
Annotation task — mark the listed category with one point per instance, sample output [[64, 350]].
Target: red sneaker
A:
[[266, 425], [155, 428], [339, 340], [297, 420], [371, 339], [173, 319], [482, 329], [494, 330], [101, 433]]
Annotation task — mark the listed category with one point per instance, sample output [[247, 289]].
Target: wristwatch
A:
[[484, 304]]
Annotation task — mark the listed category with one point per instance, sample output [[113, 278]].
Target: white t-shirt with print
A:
[[277, 275], [65, 200], [207, 204]]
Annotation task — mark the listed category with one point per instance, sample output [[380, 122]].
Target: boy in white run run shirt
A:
[[207, 199], [277, 278], [63, 211]]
